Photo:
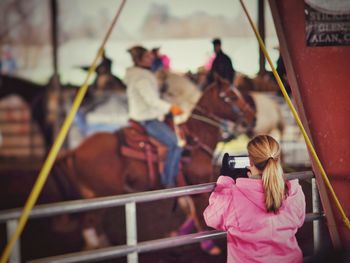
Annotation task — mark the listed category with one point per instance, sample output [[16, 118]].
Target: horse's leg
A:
[[195, 220], [99, 171], [200, 203], [195, 205], [64, 191], [66, 170], [63, 174], [92, 230], [187, 206], [192, 221], [92, 224]]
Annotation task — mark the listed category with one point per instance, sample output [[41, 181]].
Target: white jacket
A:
[[143, 95]]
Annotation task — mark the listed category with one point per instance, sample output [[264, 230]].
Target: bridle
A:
[[239, 106], [245, 113], [213, 120], [206, 117], [226, 126]]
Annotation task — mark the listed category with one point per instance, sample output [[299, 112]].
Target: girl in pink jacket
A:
[[262, 213]]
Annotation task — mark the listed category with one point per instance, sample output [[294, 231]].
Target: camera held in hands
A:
[[235, 166]]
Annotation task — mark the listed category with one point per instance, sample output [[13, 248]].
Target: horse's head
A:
[[107, 81], [226, 102], [263, 82], [244, 83]]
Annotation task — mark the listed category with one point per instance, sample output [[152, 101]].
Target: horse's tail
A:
[[61, 172]]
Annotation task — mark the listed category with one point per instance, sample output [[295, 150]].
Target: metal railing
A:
[[132, 248]]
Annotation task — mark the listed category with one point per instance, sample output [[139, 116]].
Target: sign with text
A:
[[326, 29]]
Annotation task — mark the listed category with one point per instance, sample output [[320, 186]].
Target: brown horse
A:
[[269, 117], [98, 168]]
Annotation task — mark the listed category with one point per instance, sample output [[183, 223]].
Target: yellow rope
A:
[[295, 114], [56, 147]]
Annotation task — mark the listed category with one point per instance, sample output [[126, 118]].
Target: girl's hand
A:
[[176, 110]]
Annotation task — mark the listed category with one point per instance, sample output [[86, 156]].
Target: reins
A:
[[207, 117], [213, 120]]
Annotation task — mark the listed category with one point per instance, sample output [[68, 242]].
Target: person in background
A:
[[147, 108], [8, 62], [161, 61], [281, 70], [105, 66], [261, 213], [222, 64]]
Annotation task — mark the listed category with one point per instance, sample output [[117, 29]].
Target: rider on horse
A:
[[147, 108], [222, 64]]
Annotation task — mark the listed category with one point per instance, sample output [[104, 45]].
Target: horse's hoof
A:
[[209, 247], [214, 251], [173, 234]]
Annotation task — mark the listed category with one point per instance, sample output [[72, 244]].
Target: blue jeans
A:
[[165, 135]]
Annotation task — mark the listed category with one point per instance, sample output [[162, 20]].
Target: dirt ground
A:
[[155, 220]]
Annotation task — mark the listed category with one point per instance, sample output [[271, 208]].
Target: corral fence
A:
[[133, 248]]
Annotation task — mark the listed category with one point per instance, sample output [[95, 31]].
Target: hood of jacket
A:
[[253, 190]]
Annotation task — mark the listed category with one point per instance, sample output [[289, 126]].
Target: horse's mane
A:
[[181, 91], [19, 86]]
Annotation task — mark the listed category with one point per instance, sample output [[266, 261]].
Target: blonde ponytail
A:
[[264, 151], [274, 185]]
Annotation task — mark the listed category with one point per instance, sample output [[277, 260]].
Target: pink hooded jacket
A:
[[253, 234]]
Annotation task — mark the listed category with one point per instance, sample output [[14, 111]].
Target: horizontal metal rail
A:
[[142, 247], [119, 251], [118, 200], [132, 248]]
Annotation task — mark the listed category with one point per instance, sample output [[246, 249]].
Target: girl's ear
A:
[[251, 164]]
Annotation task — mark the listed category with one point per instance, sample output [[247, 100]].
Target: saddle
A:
[[137, 144]]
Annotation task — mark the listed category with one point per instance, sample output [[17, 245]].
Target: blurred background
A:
[[46, 47], [183, 30]]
